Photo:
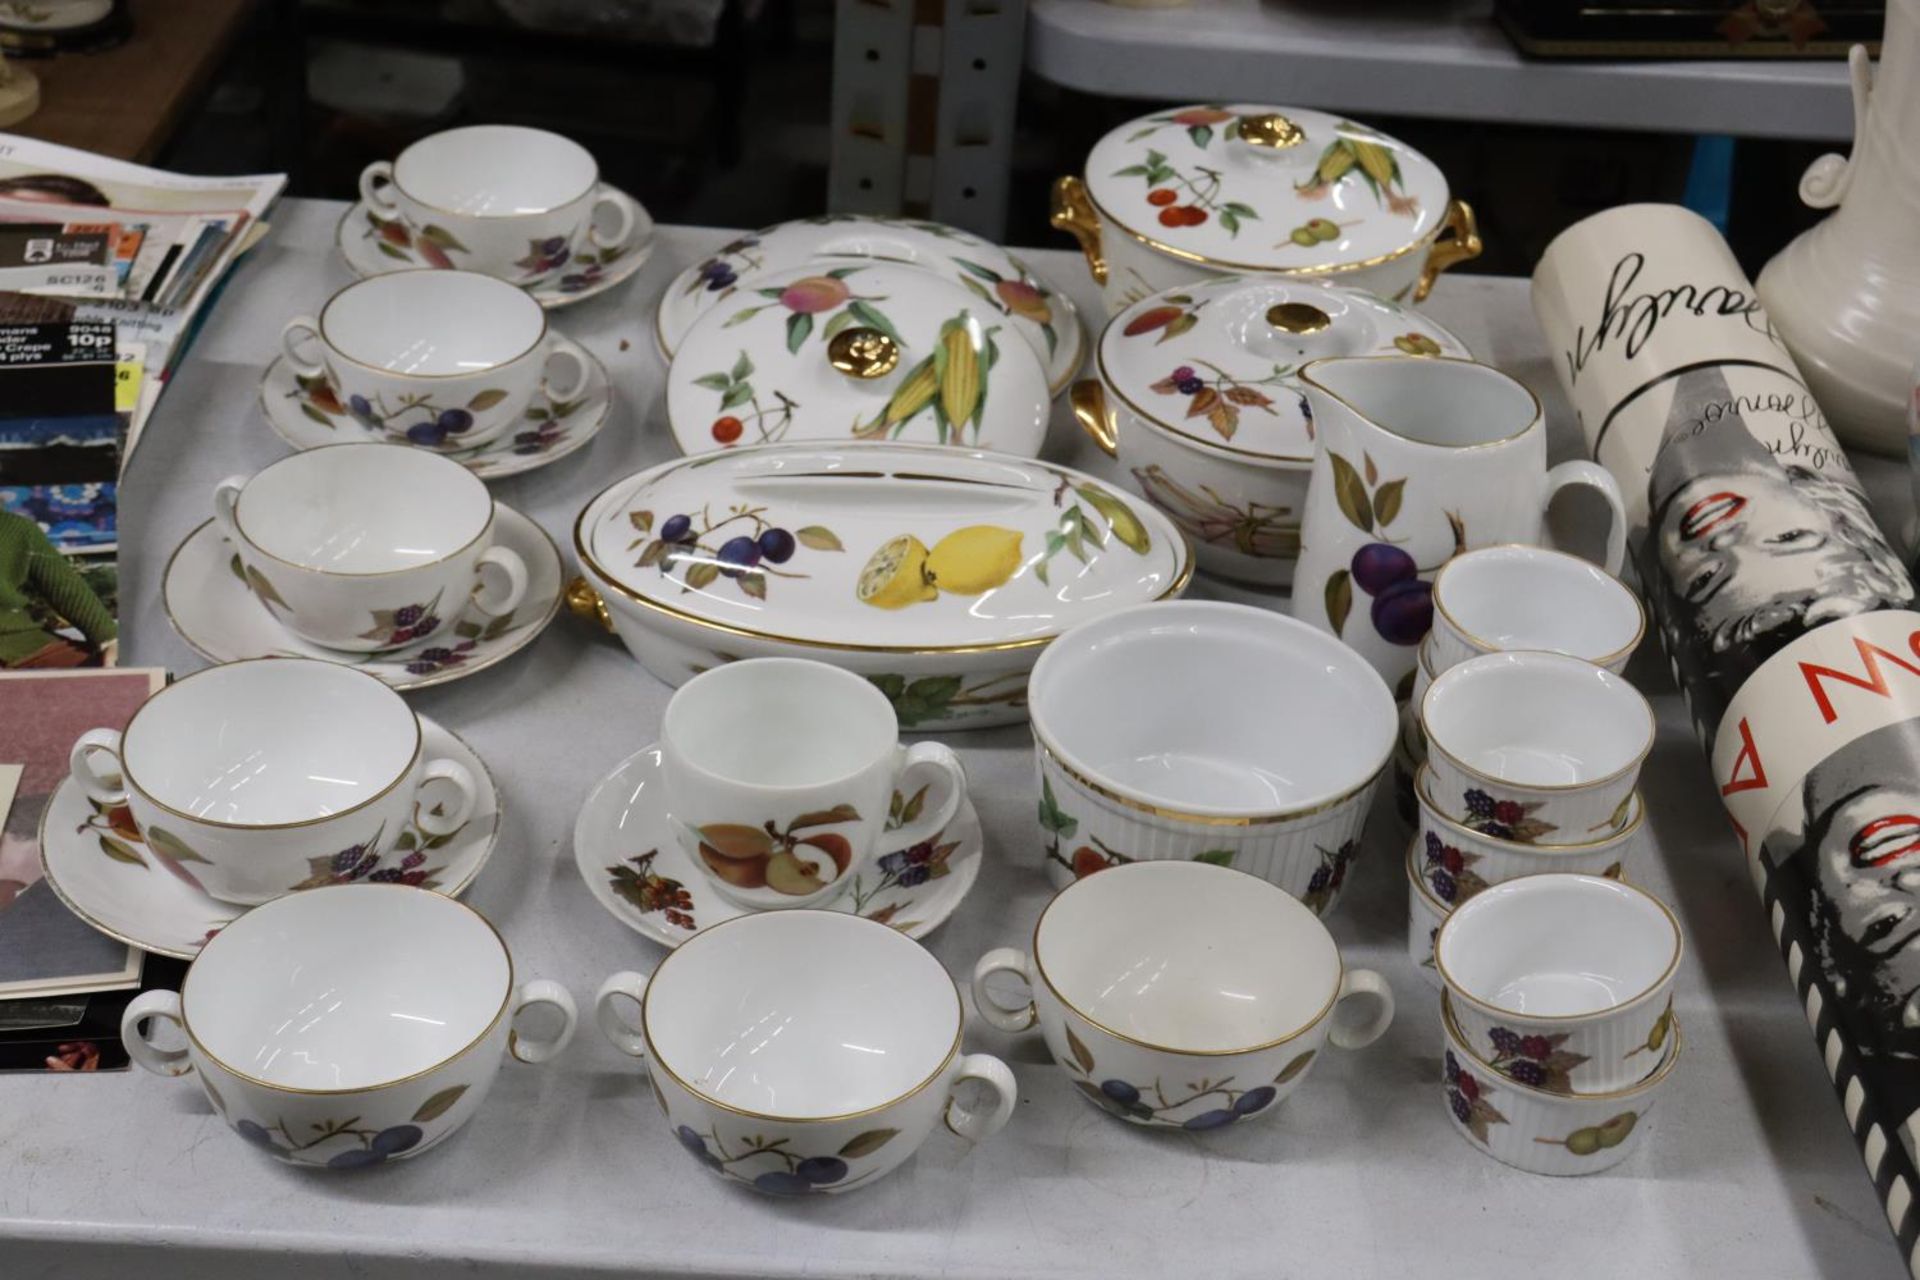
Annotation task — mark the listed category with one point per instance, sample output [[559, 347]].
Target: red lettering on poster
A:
[[1749, 757], [1875, 680]]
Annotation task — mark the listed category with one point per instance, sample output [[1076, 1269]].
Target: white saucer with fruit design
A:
[[639, 873], [306, 413], [374, 247], [95, 861], [212, 608]]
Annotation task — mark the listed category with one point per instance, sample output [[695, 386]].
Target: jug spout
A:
[[1396, 402]]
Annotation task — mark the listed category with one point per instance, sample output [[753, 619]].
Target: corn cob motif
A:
[[952, 381]]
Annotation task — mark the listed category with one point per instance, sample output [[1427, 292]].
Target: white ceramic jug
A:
[[1414, 462], [1845, 295]]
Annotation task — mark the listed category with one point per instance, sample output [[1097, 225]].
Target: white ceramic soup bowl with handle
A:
[[1562, 982], [1212, 732], [1544, 1132], [1520, 597], [368, 547], [1537, 748], [349, 1026], [504, 200], [256, 778], [439, 359], [1183, 995], [803, 1052]]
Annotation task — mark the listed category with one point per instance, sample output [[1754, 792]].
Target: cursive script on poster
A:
[[1630, 318]]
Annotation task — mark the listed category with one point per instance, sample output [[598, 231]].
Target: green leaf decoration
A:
[[1082, 1056], [892, 686], [1133, 170], [486, 400], [799, 328], [867, 1143], [1339, 599], [1386, 501], [980, 291], [740, 393], [1051, 819], [120, 851], [439, 1104], [701, 574], [741, 316], [713, 381], [442, 237], [825, 817], [1293, 1069], [262, 588], [816, 538], [641, 520], [841, 273], [841, 319], [742, 368], [656, 552], [870, 316], [172, 846], [1350, 491], [973, 268], [467, 629], [913, 807], [391, 252], [408, 841], [309, 411], [1201, 134], [755, 585], [1230, 221], [1217, 857]]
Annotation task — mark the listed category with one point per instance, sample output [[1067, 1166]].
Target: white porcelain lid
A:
[[1047, 318], [1266, 188], [872, 546], [760, 368], [1217, 362]]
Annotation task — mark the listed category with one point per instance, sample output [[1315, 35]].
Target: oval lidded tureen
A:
[[1172, 198], [1198, 398], [938, 573], [865, 350], [1047, 319]]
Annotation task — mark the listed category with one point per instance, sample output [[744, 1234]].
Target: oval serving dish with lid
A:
[[938, 573], [866, 350], [1197, 396], [1047, 319], [1172, 198]]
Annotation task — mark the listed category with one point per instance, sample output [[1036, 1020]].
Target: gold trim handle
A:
[[584, 602], [1458, 240], [1073, 213], [1089, 400]]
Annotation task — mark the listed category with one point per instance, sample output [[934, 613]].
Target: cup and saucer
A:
[[789, 788], [454, 362], [123, 853], [524, 205], [444, 581]]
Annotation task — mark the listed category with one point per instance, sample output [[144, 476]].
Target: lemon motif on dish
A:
[[966, 562], [896, 576]]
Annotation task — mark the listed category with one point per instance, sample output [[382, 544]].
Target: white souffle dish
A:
[[937, 573], [1197, 396], [1047, 318], [1208, 190], [1209, 732], [858, 350]]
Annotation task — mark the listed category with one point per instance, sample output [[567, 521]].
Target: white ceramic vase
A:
[[1845, 295]]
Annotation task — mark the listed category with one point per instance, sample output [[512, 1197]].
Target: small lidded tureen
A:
[[840, 350], [1198, 397], [1172, 198]]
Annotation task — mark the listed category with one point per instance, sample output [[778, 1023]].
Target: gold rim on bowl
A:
[[1487, 646]]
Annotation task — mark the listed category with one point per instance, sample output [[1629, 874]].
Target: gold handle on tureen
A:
[[1073, 213], [1457, 240], [863, 353], [1089, 400], [584, 602]]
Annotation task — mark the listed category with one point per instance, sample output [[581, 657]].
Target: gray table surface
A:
[[1444, 59], [569, 1170]]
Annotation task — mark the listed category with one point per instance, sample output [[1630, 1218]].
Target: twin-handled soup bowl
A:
[[1537, 748], [508, 201], [1562, 982], [1184, 995], [439, 359], [1211, 732], [256, 778], [803, 1052], [368, 547], [349, 1026], [781, 775]]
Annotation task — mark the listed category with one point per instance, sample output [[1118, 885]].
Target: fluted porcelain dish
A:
[[938, 573]]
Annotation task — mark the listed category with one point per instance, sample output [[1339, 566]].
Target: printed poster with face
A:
[[1789, 623]]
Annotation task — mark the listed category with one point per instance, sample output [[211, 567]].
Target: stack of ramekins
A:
[[1557, 1011], [1522, 744]]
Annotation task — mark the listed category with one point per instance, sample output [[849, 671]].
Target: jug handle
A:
[[1826, 180], [1596, 477]]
